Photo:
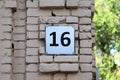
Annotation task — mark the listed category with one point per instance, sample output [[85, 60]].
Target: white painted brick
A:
[[7, 44], [85, 28], [72, 3], [7, 52], [32, 27], [52, 19], [19, 53], [59, 76], [32, 35], [85, 76], [32, 51], [20, 15], [18, 77], [6, 21], [66, 67], [61, 12], [86, 67], [19, 37], [86, 3], [7, 36], [85, 51], [42, 35], [32, 3], [85, 58], [42, 50], [19, 69], [32, 68], [85, 21], [81, 12], [20, 22], [85, 35], [33, 43], [42, 27], [48, 67], [71, 20], [46, 58], [6, 60], [33, 12], [21, 5], [6, 68], [19, 61], [45, 12], [19, 45], [10, 4], [66, 58], [19, 30], [7, 13], [32, 20], [32, 59], [6, 76], [53, 3], [86, 43], [7, 28]]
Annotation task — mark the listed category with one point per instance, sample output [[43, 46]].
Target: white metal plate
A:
[[60, 40]]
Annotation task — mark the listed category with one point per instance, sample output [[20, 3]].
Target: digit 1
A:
[[54, 39]]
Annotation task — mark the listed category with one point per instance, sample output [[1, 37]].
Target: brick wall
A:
[[24, 56]]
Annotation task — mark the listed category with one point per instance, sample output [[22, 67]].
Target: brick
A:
[[85, 43], [20, 15], [76, 34], [85, 35], [18, 77], [32, 4], [19, 45], [85, 21], [6, 21], [19, 61], [32, 20], [7, 13], [10, 4], [85, 76], [6, 76], [72, 76], [66, 67], [66, 58], [85, 28], [72, 3], [20, 22], [7, 28], [93, 32], [18, 37], [61, 12], [48, 67], [32, 68], [1, 4], [85, 58], [21, 5], [46, 58], [52, 19], [19, 69], [86, 67], [6, 68], [32, 35], [53, 3], [19, 30], [32, 59], [32, 27], [45, 12], [33, 43], [7, 52], [7, 36], [42, 27], [6, 60], [86, 3], [42, 50], [33, 12], [71, 20], [38, 76], [32, 51], [81, 12], [42, 35], [7, 44], [59, 76], [19, 53], [85, 50]]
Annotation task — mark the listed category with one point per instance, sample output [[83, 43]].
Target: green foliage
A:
[[107, 25]]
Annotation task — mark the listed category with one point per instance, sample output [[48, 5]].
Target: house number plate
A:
[[60, 39]]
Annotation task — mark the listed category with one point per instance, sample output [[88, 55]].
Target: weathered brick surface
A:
[[72, 3], [86, 67], [32, 68], [10, 4], [59, 76], [85, 59], [46, 58]]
